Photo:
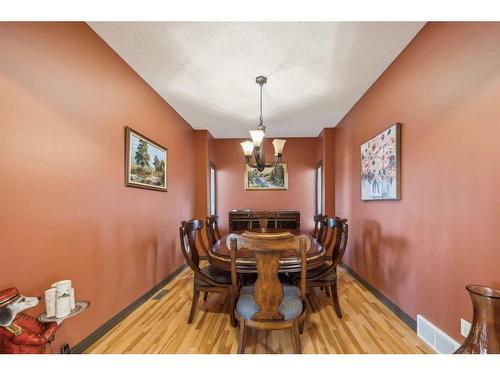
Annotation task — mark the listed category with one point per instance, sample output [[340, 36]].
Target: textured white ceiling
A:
[[206, 70]]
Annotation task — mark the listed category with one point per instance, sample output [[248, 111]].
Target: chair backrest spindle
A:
[[320, 232], [212, 229], [342, 235]]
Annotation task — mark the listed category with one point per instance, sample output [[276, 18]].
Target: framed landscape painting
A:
[[269, 179], [145, 162], [380, 165]]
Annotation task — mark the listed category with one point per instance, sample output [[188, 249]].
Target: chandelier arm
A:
[[276, 161], [253, 166], [254, 161], [248, 161]]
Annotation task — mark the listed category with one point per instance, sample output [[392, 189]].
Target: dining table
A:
[[290, 261]]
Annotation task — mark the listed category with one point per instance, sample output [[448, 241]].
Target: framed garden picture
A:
[[145, 162], [271, 178], [380, 165]]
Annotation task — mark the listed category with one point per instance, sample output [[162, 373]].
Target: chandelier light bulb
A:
[[257, 137], [247, 147], [278, 146]]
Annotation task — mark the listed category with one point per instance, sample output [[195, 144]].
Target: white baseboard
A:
[[439, 341]]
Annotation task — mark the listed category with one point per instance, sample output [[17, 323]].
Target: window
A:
[[212, 188], [319, 187]]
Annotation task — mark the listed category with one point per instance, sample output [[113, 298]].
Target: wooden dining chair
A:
[[212, 229], [207, 279], [319, 232], [326, 276], [269, 304]]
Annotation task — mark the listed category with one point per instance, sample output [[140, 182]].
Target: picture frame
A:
[[146, 162], [271, 178], [380, 157]]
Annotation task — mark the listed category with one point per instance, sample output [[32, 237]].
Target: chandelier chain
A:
[[261, 118]]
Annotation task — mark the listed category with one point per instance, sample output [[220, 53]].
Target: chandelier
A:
[[254, 149]]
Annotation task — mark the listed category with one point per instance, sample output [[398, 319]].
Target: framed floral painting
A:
[[380, 165], [145, 162]]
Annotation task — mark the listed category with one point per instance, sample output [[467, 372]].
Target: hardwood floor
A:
[[161, 326]]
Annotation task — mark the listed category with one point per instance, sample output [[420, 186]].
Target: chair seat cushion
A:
[[219, 276], [290, 307], [330, 276], [251, 278]]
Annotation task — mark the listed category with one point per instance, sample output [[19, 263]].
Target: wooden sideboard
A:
[[276, 219]]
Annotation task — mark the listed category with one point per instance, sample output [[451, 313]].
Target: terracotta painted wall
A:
[[421, 251], [65, 98], [301, 155]]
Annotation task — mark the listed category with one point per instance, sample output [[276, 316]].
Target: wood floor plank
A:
[[160, 326]]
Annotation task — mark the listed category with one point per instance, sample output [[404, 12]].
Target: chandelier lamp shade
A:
[[254, 149]]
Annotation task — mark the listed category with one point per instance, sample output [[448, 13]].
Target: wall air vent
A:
[[439, 341]]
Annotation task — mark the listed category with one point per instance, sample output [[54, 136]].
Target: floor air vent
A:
[[160, 294], [439, 341]]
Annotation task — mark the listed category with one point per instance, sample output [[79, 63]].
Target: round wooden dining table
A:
[[219, 256]]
